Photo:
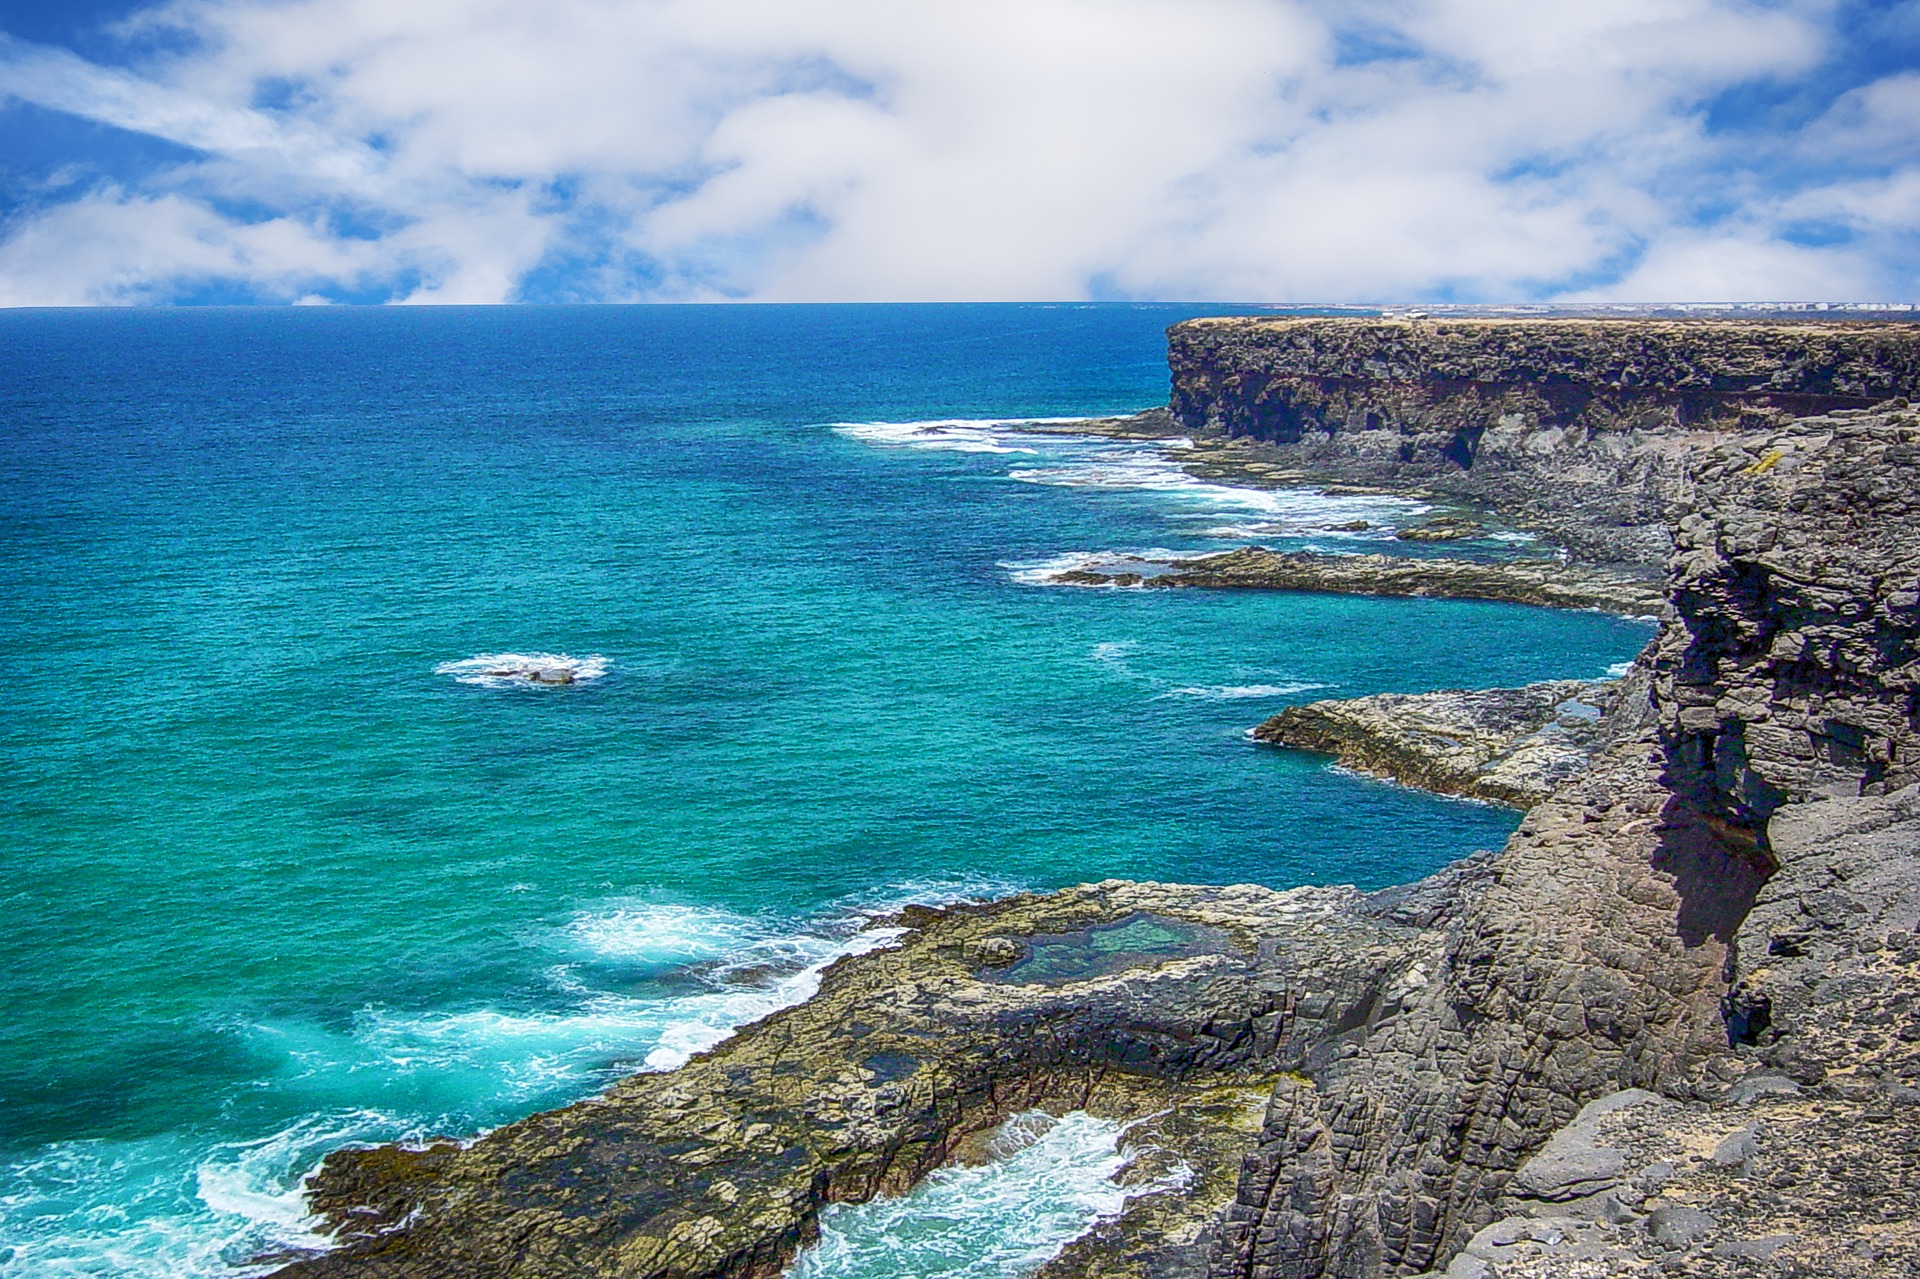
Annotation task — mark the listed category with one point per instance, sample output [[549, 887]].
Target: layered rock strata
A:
[[1794, 669], [1549, 583], [1512, 746], [1648, 928], [1581, 428]]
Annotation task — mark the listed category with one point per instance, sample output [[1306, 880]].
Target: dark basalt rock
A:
[[1581, 428], [1549, 583], [1171, 1005], [1649, 927]]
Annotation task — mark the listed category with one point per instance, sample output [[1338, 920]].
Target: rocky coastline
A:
[[1672, 1027], [1548, 583], [1581, 429], [1512, 746]]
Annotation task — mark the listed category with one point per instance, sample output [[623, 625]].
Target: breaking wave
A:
[[1047, 1182], [524, 670], [634, 985]]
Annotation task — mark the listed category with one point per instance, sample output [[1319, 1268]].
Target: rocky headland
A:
[[1579, 428], [1512, 746], [1549, 583], [1673, 1027]]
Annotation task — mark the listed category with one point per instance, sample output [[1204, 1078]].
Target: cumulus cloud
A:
[[1265, 150]]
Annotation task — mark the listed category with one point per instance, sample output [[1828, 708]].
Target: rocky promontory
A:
[[1512, 746], [1549, 583], [1579, 428], [1174, 1006]]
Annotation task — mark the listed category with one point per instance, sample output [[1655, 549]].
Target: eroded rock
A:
[[1141, 1001], [1549, 583], [1512, 746]]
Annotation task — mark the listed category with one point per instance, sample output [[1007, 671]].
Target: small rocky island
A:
[[1673, 1027]]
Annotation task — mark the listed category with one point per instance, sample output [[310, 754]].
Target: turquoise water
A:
[[277, 879]]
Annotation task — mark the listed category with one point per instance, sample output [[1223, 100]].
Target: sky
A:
[[485, 151]]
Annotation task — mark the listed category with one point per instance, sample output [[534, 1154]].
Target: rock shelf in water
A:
[[1551, 583], [1513, 746]]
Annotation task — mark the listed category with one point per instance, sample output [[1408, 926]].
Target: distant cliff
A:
[[1579, 427]]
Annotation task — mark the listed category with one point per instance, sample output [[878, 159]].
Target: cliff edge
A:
[[1580, 428]]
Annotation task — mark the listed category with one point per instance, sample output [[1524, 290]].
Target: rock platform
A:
[[1547, 583], [1512, 746]]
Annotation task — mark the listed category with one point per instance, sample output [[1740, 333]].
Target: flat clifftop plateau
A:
[[1580, 428]]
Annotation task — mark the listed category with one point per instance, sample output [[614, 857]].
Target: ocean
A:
[[289, 864]]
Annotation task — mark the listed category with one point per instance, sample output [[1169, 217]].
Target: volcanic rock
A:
[[1513, 746], [1550, 583]]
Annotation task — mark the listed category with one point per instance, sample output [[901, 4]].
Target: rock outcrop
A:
[[1652, 927], [1512, 746], [1581, 428], [1794, 666], [1549, 583], [1173, 1005]]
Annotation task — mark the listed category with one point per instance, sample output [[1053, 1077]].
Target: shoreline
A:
[[1506, 1064]]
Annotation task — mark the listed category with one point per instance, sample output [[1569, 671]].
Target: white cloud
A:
[[104, 249], [1009, 149]]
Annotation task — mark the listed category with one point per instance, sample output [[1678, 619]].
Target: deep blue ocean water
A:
[[278, 878]]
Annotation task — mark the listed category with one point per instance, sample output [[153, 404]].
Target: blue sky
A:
[[281, 151]]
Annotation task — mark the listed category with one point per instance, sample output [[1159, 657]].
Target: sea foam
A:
[[1048, 1181], [955, 435], [524, 670], [127, 1209], [1235, 692]]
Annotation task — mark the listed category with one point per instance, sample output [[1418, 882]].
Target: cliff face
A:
[[1793, 666], [1580, 427], [1731, 898]]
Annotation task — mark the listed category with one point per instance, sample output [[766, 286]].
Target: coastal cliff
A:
[[1580, 428], [1674, 1026]]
